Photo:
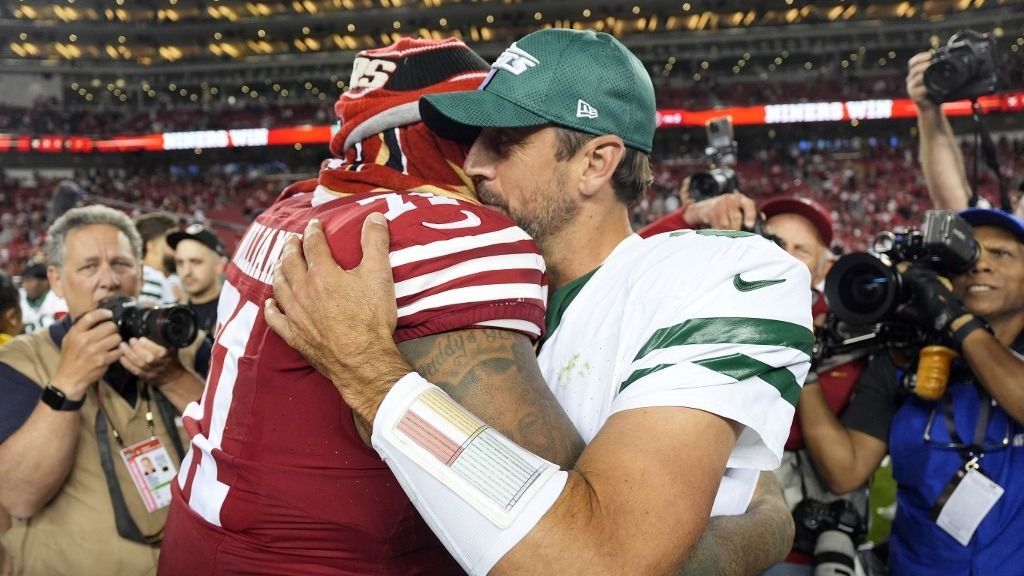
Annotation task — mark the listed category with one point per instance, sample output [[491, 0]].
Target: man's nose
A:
[[108, 278], [479, 163]]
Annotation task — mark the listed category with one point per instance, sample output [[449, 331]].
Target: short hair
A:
[[9, 295], [56, 236], [632, 176], [154, 225]]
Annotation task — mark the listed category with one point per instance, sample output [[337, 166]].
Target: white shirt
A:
[[717, 321]]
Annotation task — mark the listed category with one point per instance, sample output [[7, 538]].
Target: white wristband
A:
[[480, 492]]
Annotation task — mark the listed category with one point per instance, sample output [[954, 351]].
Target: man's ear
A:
[[601, 156], [53, 276], [12, 321]]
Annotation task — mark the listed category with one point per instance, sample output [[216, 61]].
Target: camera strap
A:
[[986, 149], [126, 525]]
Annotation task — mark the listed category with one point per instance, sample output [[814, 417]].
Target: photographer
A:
[[942, 161], [804, 228], [941, 158], [82, 406], [957, 460]]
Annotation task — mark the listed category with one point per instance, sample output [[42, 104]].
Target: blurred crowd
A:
[[870, 186]]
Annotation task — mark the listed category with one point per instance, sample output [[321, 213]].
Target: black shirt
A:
[[206, 314], [876, 398]]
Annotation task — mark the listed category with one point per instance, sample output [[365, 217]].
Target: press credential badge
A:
[[152, 472]]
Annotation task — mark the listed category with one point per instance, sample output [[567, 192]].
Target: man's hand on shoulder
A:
[[341, 321], [88, 349]]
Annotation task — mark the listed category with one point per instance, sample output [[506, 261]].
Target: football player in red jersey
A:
[[278, 480]]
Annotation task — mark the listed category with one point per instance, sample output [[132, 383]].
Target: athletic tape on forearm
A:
[[480, 492]]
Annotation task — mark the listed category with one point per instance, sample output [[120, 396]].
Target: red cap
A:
[[387, 83], [816, 213]]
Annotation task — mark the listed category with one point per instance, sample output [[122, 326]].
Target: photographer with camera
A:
[[84, 401], [956, 452], [711, 198], [804, 228], [963, 69]]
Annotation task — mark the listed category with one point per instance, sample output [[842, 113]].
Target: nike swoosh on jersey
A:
[[746, 286], [470, 221]]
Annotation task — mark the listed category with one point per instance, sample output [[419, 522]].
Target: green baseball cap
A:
[[580, 79]]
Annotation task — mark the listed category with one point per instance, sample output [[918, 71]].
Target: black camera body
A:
[[721, 155], [865, 288], [172, 326], [812, 517], [964, 68]]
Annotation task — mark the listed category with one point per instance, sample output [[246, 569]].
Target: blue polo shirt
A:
[[923, 469]]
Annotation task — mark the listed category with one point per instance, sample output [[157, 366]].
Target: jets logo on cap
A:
[[515, 60], [584, 110]]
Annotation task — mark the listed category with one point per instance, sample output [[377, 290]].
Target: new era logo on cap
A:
[[584, 110]]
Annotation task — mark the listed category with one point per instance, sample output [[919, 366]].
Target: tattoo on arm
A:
[[494, 374]]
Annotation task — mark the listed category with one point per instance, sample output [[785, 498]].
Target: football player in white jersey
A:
[[679, 358], [40, 306]]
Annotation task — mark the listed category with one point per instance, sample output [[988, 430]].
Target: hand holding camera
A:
[[149, 360], [732, 211], [89, 348], [932, 304], [149, 337], [916, 90], [965, 68]]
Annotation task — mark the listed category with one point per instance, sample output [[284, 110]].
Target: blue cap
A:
[[995, 218]]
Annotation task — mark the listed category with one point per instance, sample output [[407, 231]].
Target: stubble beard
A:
[[553, 210]]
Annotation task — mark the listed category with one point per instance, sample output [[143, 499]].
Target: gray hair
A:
[[56, 236]]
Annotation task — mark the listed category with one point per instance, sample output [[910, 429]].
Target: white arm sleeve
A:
[[480, 492]]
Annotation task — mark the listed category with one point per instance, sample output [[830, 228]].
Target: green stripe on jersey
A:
[[738, 367], [741, 367], [761, 331]]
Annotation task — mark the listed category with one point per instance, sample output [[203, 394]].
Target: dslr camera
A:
[[813, 517], [172, 326], [964, 68], [721, 156], [865, 288]]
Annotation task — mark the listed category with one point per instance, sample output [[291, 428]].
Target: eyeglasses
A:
[[951, 445]]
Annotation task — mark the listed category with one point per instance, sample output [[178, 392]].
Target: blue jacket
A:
[[923, 469]]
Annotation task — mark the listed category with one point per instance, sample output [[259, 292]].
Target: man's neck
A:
[[1008, 327], [204, 298], [156, 264], [584, 244], [38, 300]]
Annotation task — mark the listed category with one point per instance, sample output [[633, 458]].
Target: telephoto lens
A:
[[834, 554]]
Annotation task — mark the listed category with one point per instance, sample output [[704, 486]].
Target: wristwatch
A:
[[57, 400]]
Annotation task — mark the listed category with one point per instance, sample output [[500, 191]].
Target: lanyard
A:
[[144, 393], [973, 452], [126, 526]]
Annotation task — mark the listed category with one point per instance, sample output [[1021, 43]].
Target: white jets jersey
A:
[[39, 317], [156, 288], [713, 320]]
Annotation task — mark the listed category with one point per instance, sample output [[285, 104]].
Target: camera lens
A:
[[172, 327], [861, 288], [704, 185], [178, 326], [945, 76], [866, 290]]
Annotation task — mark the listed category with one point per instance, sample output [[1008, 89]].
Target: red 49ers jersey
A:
[[277, 478]]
